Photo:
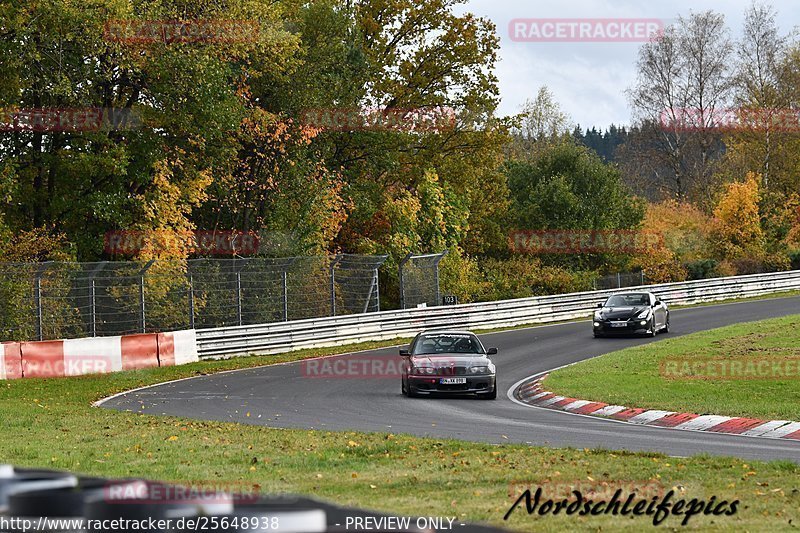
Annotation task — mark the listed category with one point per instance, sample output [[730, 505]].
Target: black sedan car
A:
[[450, 362], [631, 313]]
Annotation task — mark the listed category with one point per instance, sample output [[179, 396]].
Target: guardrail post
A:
[[619, 281], [142, 272], [92, 296]]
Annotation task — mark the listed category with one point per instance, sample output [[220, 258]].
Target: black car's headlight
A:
[[480, 370], [644, 314], [423, 370]]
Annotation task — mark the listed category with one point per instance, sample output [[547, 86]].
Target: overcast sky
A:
[[589, 79]]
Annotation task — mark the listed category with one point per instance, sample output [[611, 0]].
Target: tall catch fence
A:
[[58, 300], [419, 280]]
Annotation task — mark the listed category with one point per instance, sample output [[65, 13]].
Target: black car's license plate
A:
[[452, 381], [618, 324]]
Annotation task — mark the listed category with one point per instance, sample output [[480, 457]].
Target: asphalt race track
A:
[[282, 396]]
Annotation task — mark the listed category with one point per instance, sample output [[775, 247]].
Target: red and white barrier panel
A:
[[177, 348], [10, 361], [99, 355]]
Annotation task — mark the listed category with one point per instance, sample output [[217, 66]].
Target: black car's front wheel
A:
[[653, 330], [666, 325]]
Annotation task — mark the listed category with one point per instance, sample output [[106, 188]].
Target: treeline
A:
[[222, 142], [603, 143]]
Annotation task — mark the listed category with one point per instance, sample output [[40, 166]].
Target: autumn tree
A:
[[58, 55], [736, 229], [684, 76], [541, 123], [569, 187], [396, 56]]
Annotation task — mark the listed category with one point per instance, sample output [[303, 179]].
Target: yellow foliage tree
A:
[[682, 232], [736, 231]]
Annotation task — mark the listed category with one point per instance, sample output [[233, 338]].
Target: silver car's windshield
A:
[[447, 343], [628, 300]]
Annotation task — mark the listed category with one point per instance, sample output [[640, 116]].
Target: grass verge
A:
[[711, 372], [49, 423]]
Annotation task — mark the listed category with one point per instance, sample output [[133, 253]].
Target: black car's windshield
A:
[[628, 300], [448, 343]]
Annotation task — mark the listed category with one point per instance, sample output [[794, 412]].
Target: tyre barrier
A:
[[98, 355], [62, 502]]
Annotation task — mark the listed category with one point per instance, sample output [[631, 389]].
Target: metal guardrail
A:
[[332, 331]]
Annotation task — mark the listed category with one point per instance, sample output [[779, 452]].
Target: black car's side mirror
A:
[[599, 305], [405, 353], [491, 351], [658, 302]]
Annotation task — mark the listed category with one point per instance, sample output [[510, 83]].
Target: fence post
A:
[[93, 296], [642, 277], [191, 301], [369, 294], [288, 262], [334, 262], [619, 281], [436, 277], [239, 287], [142, 272], [400, 267], [285, 297], [377, 290], [239, 297], [37, 298]]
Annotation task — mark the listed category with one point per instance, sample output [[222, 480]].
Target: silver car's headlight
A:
[[481, 370], [644, 314], [423, 370]]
